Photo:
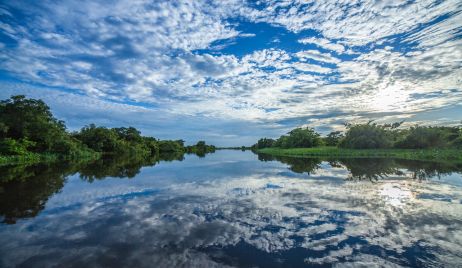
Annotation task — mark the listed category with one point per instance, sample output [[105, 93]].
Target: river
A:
[[232, 209]]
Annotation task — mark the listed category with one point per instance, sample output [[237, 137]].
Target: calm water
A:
[[232, 208]]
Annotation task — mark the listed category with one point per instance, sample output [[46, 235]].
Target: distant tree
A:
[[371, 136], [201, 144], [421, 137], [264, 143], [282, 142], [170, 146], [180, 142], [457, 142], [200, 149], [367, 136], [301, 138], [333, 138], [100, 139], [129, 134], [152, 144]]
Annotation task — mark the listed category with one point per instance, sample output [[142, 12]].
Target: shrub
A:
[[10, 146], [367, 136]]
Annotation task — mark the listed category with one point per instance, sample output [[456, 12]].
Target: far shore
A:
[[453, 155]]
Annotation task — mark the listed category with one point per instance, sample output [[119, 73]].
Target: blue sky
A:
[[232, 71]]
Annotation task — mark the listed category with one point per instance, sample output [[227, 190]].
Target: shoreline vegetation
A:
[[34, 158], [437, 155], [370, 140], [29, 134], [242, 148]]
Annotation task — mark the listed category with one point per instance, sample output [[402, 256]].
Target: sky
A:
[[232, 71]]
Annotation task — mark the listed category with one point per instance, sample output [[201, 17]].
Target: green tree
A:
[[28, 126], [100, 139], [367, 136], [152, 145], [166, 146], [264, 143], [200, 149], [421, 137], [129, 134], [301, 138], [10, 146], [30, 119], [333, 138], [282, 142]]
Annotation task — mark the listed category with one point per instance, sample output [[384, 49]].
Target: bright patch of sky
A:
[[232, 71]]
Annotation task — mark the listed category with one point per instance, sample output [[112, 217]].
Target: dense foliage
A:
[[297, 138], [117, 140], [171, 146], [28, 128], [368, 136], [418, 137], [264, 143], [201, 148], [333, 138], [371, 136]]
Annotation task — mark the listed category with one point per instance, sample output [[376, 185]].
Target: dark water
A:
[[232, 208]]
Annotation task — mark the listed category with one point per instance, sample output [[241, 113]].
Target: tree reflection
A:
[[300, 165], [118, 167], [171, 156], [372, 169], [25, 189], [422, 170], [380, 168]]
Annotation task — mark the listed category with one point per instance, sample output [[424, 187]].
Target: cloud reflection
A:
[[249, 220]]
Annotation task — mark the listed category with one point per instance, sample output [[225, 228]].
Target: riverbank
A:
[[34, 158], [334, 152]]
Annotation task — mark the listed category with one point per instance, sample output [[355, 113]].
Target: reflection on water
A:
[[229, 209], [25, 189], [372, 169]]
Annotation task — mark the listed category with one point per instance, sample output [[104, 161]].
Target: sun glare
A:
[[395, 194], [391, 98]]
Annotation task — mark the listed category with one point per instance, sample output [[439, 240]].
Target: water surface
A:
[[233, 209]]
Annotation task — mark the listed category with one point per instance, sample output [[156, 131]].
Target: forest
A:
[[30, 132], [371, 136]]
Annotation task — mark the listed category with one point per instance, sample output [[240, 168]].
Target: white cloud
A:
[[268, 58], [306, 67], [247, 35], [156, 53], [317, 56], [323, 43], [356, 23]]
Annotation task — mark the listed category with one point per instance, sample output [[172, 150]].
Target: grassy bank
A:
[[334, 152], [34, 158]]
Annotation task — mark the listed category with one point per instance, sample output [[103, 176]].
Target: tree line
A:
[[28, 128], [370, 136]]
